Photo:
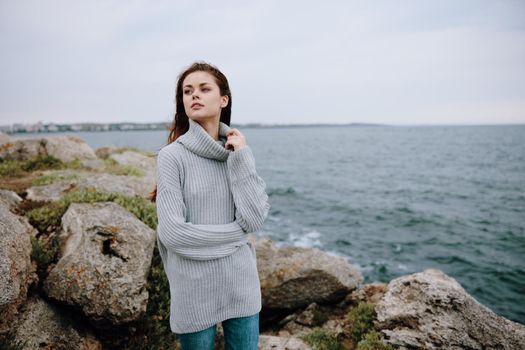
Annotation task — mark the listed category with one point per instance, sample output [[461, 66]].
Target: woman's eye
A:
[[205, 89]]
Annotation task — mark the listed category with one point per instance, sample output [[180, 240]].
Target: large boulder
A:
[[16, 270], [293, 277], [64, 147], [430, 310], [128, 185], [105, 257], [43, 326]]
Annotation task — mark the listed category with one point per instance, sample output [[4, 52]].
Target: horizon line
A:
[[285, 124]]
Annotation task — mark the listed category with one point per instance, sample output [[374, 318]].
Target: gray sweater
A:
[[208, 199]]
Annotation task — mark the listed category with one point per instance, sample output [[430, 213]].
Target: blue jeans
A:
[[241, 333]]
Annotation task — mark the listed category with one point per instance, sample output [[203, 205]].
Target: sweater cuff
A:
[[241, 164]]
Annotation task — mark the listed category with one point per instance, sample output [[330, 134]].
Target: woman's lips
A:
[[197, 106]]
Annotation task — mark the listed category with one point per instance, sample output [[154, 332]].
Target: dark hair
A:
[[180, 123]]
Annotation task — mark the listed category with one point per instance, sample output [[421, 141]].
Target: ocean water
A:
[[395, 200]]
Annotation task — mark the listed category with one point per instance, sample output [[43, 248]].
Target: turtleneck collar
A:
[[197, 140]]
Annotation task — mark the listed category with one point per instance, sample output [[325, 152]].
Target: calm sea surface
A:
[[395, 200]]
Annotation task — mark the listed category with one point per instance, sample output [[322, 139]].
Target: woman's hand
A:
[[236, 140]]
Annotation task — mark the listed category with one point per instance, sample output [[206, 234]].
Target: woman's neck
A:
[[211, 126]]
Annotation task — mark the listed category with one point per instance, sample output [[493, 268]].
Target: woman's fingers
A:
[[233, 131], [235, 139]]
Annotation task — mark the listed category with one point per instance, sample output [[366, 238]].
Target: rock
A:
[[299, 323], [303, 322], [293, 277], [44, 326], [136, 159], [140, 161], [18, 149], [4, 138], [431, 310], [105, 257], [219, 337], [90, 163], [272, 342], [16, 270], [10, 199], [105, 151], [296, 329], [65, 173], [309, 316], [369, 293], [128, 185], [339, 327], [66, 148]]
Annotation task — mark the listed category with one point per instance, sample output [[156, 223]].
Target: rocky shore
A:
[[79, 269]]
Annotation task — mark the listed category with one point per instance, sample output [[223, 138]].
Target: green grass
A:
[[46, 217], [321, 339], [319, 317], [49, 179], [75, 164], [43, 162], [113, 167], [372, 341], [134, 149], [361, 321], [9, 167], [43, 254], [10, 344]]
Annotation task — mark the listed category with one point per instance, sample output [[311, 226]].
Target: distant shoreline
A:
[[100, 127], [18, 129]]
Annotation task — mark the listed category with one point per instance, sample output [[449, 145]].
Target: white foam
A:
[[402, 267], [307, 240], [334, 253]]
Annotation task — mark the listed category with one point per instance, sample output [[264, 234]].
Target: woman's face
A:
[[201, 96]]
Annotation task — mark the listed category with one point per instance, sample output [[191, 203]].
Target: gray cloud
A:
[[408, 62]]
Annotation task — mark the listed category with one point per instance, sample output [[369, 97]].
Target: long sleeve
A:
[[248, 189], [193, 241]]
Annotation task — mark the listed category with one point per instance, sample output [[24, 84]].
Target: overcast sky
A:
[[394, 62]]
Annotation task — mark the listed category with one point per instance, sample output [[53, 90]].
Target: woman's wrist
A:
[[241, 163]]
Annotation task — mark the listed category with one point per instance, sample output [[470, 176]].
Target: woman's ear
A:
[[224, 101]]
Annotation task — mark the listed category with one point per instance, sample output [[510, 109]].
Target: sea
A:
[[394, 200]]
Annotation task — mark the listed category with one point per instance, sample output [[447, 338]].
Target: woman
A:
[[209, 196]]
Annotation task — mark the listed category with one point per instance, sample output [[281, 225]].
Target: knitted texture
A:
[[208, 199]]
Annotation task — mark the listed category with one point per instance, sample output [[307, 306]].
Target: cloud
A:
[[356, 61]]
